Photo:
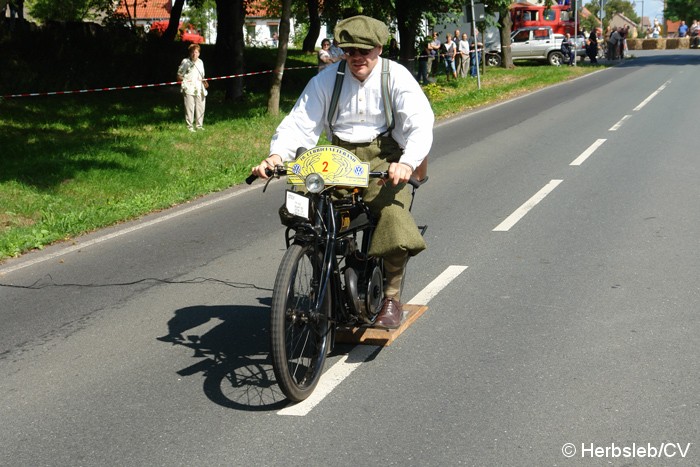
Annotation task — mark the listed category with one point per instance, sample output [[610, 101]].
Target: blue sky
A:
[[652, 8]]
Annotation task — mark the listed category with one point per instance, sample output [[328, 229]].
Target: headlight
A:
[[314, 183]]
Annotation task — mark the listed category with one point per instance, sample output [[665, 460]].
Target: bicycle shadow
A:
[[234, 354]]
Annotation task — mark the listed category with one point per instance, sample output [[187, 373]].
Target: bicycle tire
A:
[[299, 340]]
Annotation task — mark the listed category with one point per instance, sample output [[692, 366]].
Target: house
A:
[[260, 29], [146, 13], [619, 20]]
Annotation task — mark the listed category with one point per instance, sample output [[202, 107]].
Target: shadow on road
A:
[[234, 355]]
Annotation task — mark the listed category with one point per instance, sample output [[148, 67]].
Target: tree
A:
[[686, 10], [273, 103], [200, 14], [70, 10], [230, 44], [620, 6], [502, 9], [174, 24], [314, 20]]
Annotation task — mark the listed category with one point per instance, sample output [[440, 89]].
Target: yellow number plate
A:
[[336, 165]]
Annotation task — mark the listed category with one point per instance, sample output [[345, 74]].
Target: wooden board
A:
[[377, 336]]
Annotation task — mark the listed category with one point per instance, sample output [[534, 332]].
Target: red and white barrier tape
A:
[[139, 86]]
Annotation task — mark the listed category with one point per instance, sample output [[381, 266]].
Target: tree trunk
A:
[[230, 45], [273, 103], [505, 30], [174, 23], [407, 24], [309, 45]]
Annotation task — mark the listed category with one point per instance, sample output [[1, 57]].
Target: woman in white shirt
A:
[[190, 73]]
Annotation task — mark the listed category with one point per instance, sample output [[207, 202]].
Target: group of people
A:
[[457, 54], [617, 42]]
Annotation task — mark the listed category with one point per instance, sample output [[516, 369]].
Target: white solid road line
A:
[[361, 353], [587, 153], [519, 213]]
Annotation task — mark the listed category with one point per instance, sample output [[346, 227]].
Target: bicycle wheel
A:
[[299, 336]]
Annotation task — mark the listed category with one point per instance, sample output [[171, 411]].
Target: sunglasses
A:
[[350, 51]]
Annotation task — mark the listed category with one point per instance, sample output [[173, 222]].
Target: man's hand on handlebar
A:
[[268, 164], [399, 173]]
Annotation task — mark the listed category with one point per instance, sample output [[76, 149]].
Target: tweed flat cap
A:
[[362, 32]]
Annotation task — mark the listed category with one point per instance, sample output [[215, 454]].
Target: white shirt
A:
[[360, 114], [192, 76], [464, 46]]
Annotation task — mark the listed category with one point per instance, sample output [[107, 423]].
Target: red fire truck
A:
[[559, 17]]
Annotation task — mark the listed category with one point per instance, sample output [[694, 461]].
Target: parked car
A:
[[536, 43]]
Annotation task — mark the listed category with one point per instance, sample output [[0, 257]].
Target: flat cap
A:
[[362, 32]]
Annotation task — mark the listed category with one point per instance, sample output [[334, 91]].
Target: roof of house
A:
[[145, 9], [623, 18]]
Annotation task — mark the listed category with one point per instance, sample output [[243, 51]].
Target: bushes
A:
[[64, 56]]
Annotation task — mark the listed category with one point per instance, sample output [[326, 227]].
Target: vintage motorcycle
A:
[[326, 278]]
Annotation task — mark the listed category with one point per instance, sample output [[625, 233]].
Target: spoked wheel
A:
[[299, 336]]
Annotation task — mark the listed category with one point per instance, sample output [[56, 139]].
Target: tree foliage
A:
[[70, 10], [686, 10]]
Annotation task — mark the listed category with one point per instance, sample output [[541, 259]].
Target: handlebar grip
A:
[[251, 178]]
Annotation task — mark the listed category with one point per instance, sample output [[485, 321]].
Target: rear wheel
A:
[[555, 58], [299, 335]]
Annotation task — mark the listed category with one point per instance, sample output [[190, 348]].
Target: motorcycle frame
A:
[[324, 233]]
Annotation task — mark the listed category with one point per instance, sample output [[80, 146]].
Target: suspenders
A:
[[386, 97]]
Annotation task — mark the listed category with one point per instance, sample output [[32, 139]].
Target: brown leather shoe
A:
[[391, 315]]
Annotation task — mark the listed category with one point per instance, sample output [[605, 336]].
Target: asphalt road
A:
[[570, 334]]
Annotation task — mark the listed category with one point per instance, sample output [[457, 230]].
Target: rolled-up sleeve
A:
[[414, 117]]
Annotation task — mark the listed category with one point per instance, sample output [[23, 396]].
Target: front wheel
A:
[[299, 335], [493, 59]]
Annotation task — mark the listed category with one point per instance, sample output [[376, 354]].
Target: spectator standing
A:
[[394, 51], [190, 73], [695, 33], [682, 29], [423, 59], [434, 45], [592, 46], [458, 57], [450, 52], [613, 40], [475, 54], [463, 49], [623, 41]]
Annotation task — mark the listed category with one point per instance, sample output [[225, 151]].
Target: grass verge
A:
[[71, 164]]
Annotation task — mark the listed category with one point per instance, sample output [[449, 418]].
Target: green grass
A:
[[72, 164]]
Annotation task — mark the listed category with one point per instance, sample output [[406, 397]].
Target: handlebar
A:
[[280, 170]]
